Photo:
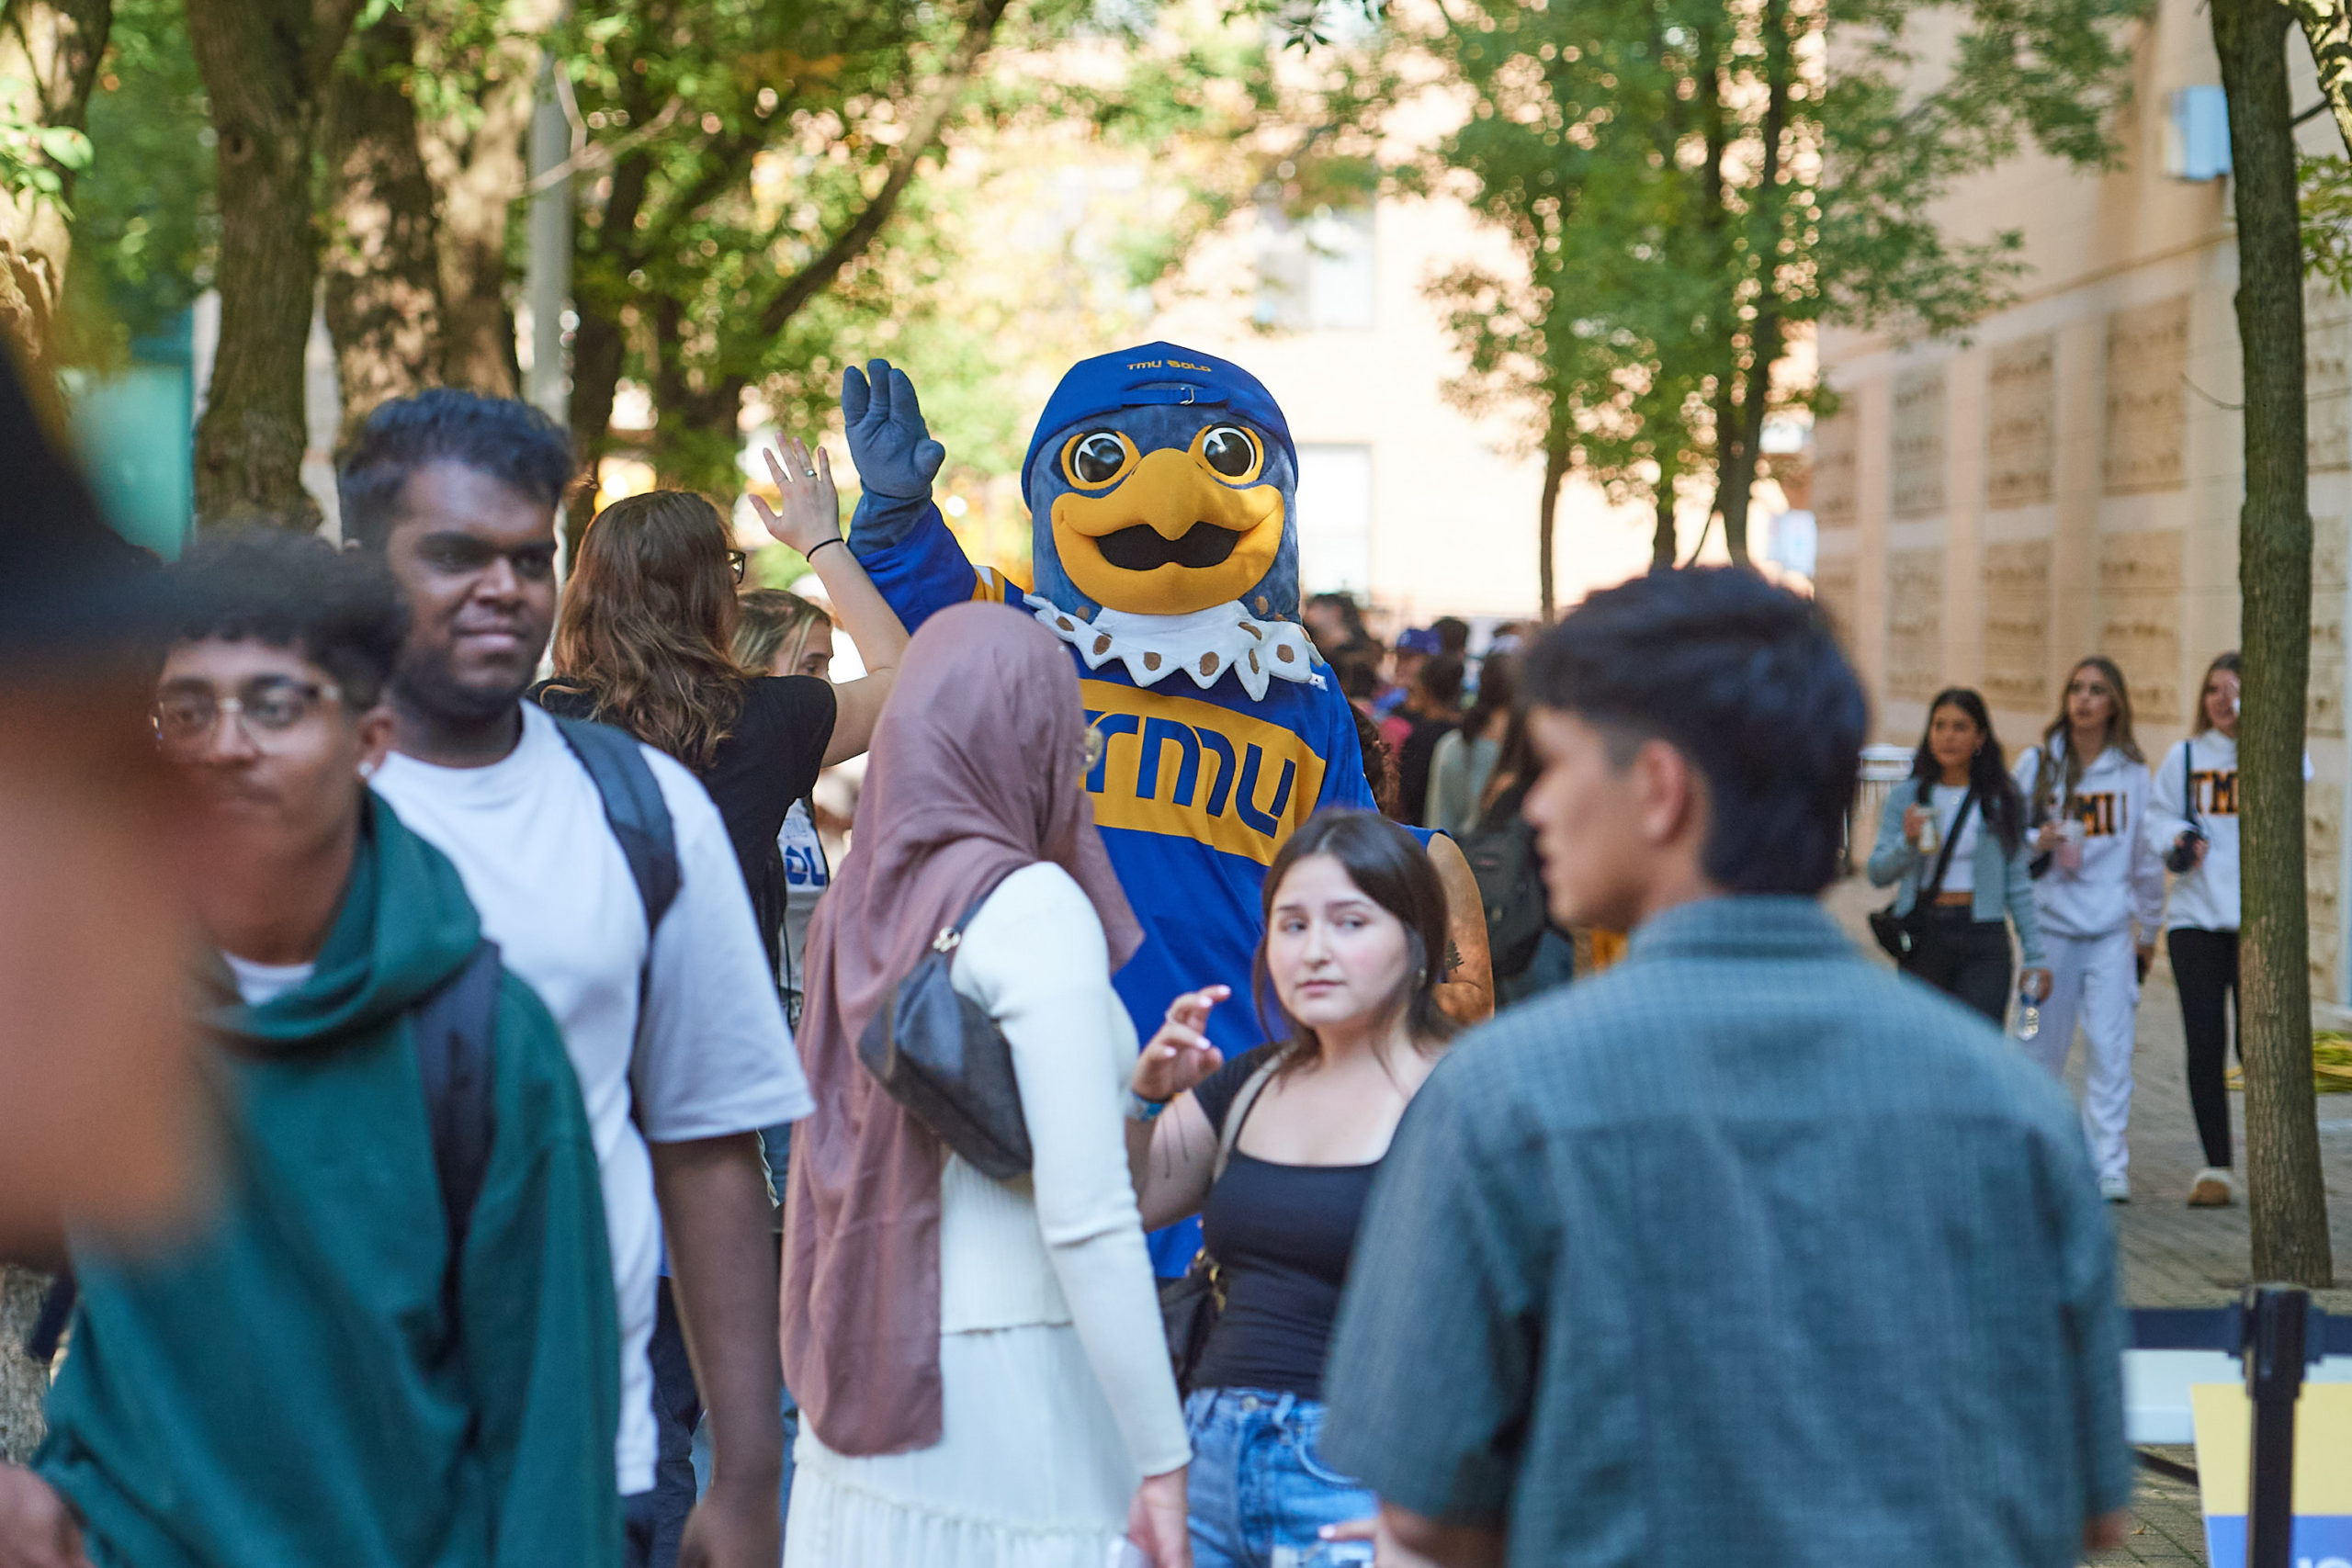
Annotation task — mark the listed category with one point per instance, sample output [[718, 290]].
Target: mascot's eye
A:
[[1229, 450], [1097, 458]]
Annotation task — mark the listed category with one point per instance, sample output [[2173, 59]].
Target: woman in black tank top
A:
[[1276, 1151]]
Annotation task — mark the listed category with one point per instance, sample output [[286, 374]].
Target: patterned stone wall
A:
[[1917, 451], [2327, 376], [2017, 623], [2139, 596], [1836, 492], [1836, 583], [2021, 434], [1915, 623], [2322, 860], [2147, 410], [2324, 711]]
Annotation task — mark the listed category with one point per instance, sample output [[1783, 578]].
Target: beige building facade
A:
[[2067, 481]]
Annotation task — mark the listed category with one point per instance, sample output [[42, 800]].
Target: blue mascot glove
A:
[[896, 457]]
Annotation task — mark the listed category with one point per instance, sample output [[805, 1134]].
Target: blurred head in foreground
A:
[[96, 1077], [1699, 732]]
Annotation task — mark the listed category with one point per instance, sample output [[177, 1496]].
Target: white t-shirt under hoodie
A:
[[2122, 879], [711, 1056]]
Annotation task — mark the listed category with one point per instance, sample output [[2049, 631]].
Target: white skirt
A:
[[1030, 1470]]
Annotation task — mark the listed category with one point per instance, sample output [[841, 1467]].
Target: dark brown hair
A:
[[2200, 721], [648, 617], [1390, 866]]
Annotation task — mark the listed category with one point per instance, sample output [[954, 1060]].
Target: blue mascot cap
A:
[[1155, 374]]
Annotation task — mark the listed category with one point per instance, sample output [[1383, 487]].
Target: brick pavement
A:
[[2173, 1255]]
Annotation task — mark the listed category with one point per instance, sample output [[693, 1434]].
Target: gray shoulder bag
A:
[[936, 1052]]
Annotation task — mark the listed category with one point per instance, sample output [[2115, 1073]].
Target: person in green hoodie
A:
[[301, 1380]]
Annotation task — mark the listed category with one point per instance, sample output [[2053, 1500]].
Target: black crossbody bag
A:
[[1899, 934], [936, 1052]]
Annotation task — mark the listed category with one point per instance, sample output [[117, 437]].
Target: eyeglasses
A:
[[265, 706], [736, 561]]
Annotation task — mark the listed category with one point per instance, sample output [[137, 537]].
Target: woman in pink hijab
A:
[[982, 1376]]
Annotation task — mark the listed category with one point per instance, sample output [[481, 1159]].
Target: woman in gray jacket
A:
[[1960, 794]]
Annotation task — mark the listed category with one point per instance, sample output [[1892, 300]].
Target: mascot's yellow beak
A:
[[1169, 537]]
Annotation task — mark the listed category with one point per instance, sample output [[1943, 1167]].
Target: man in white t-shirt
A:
[[459, 493]]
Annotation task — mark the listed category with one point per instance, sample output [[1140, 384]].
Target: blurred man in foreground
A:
[[393, 1346], [1745, 1251]]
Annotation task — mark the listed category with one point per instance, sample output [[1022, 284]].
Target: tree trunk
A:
[[24, 1383], [384, 277], [480, 167], [1555, 473], [266, 65], [1663, 544], [2327, 27], [2288, 1201], [48, 58]]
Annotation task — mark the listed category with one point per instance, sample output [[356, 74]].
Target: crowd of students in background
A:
[[563, 1214], [2070, 851]]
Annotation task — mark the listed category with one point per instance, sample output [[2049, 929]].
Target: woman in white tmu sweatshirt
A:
[[2085, 788], [2193, 821]]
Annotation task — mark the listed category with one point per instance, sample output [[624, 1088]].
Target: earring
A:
[[366, 769]]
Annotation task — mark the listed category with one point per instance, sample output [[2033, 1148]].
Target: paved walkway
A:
[[2173, 1255]]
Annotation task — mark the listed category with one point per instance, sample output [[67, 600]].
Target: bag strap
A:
[[2188, 785], [454, 1029], [1244, 1100], [634, 809], [1943, 857]]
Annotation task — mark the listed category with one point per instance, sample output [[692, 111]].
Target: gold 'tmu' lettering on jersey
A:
[[1193, 770]]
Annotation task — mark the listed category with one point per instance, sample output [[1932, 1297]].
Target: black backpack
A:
[[1501, 853]]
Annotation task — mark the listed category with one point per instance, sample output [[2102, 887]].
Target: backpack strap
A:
[[454, 1027], [634, 810], [1244, 1100]]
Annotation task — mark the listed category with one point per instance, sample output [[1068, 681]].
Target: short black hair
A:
[[1440, 677], [503, 437], [338, 609], [1744, 678], [1453, 634]]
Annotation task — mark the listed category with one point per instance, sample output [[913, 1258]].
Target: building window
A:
[[1315, 272], [1335, 518]]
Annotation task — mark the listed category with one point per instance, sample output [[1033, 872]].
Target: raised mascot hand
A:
[[896, 457]]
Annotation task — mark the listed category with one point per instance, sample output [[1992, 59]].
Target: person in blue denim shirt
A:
[[1277, 1150], [1960, 944]]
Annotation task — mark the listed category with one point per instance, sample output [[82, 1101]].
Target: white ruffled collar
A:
[[1204, 645]]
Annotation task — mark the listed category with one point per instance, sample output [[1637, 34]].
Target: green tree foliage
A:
[[747, 169], [146, 220], [1691, 182]]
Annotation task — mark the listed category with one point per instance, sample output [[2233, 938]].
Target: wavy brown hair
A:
[[649, 615]]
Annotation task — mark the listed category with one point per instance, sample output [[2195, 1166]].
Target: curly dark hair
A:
[[340, 610], [503, 437]]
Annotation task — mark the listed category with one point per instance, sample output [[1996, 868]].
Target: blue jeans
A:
[[1260, 1490]]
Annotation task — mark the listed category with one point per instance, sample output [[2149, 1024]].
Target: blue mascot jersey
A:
[[1196, 792]]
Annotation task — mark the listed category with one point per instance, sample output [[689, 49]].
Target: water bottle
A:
[[2028, 1013], [1932, 834]]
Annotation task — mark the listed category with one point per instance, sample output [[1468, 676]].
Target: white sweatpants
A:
[[2096, 979]]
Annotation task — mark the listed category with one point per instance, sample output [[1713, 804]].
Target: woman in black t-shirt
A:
[[644, 640], [1276, 1150]]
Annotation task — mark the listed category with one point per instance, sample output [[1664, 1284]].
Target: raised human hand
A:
[[807, 510], [1180, 1055]]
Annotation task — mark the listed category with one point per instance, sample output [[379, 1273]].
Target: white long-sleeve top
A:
[[1063, 1244], [2121, 878], [2197, 786]]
